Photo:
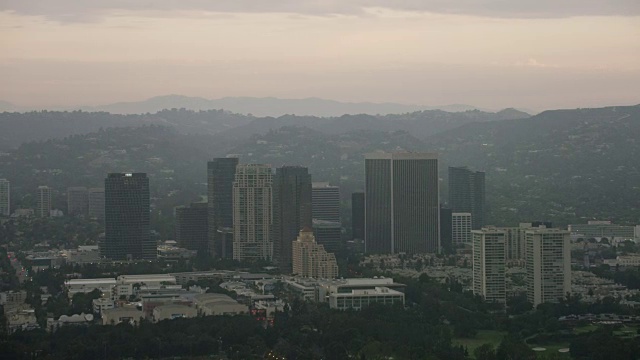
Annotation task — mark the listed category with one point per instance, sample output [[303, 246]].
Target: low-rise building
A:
[[212, 304], [23, 319], [105, 285], [358, 299], [173, 311], [102, 304], [129, 315], [65, 320]]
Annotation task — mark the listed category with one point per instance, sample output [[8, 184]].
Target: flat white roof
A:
[[369, 292], [108, 281]]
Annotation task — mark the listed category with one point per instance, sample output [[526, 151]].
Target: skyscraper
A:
[[466, 194], [5, 197], [325, 202], [548, 264], [328, 234], [402, 203], [96, 204], [291, 210], [489, 264], [77, 201], [357, 215], [446, 229], [310, 259], [220, 175], [127, 206], [252, 212], [327, 227], [191, 227], [461, 228], [44, 202]]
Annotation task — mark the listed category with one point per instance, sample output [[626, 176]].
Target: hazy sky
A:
[[532, 54]]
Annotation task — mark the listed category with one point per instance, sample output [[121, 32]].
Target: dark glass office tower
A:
[[466, 194], [220, 176], [291, 211], [191, 227], [325, 202], [446, 229], [127, 232], [357, 215], [401, 203]]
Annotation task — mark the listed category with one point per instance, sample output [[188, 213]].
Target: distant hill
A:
[[562, 166], [16, 128], [268, 106]]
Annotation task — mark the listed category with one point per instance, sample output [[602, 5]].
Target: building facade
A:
[[548, 264], [220, 176], [311, 259], [44, 202], [5, 197], [357, 215], [489, 269], [127, 207], [600, 229], [359, 299], [401, 203], [328, 234], [461, 229], [96, 204], [191, 227], [446, 229], [252, 218], [467, 194], [77, 201], [291, 211], [325, 202]]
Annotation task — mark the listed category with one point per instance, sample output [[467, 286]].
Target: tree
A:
[[485, 352]]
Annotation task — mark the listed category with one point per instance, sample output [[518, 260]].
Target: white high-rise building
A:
[[5, 197], [461, 229], [44, 202], [252, 217], [548, 264], [489, 264]]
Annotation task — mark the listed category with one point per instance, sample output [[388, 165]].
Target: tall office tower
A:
[[461, 228], [401, 203], [191, 227], [96, 204], [310, 259], [77, 201], [291, 211], [548, 264], [44, 202], [252, 212], [328, 234], [357, 215], [327, 227], [5, 197], [446, 229], [489, 264], [220, 175], [466, 193], [325, 202], [127, 207]]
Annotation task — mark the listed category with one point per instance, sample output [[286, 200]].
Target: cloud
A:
[[91, 10]]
